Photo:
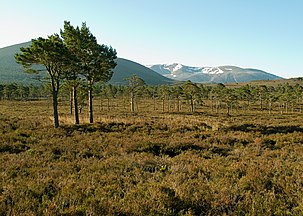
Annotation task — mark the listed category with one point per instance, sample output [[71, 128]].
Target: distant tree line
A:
[[14, 91], [187, 97]]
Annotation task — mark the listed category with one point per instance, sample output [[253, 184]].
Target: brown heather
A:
[[150, 162]]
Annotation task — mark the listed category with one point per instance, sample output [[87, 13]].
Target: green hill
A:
[[10, 71]]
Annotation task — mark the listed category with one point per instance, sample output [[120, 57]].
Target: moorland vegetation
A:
[[178, 153]]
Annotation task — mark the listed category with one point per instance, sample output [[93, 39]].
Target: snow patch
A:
[[177, 67], [212, 70]]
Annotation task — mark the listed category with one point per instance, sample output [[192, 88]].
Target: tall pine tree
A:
[[97, 62], [71, 37], [53, 55]]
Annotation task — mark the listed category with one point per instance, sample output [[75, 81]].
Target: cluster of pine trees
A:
[[72, 57]]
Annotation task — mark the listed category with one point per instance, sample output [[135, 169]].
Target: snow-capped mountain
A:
[[222, 74]]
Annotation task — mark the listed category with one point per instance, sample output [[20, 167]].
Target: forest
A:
[[186, 149]]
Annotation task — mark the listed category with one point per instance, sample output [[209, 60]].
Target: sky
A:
[[260, 34]]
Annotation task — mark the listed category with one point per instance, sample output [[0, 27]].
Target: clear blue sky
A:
[[262, 34]]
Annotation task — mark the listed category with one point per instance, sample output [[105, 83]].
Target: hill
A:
[[222, 74], [125, 68], [10, 71]]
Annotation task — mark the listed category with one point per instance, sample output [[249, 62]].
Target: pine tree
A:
[[51, 53], [71, 38], [134, 83], [95, 62], [192, 91]]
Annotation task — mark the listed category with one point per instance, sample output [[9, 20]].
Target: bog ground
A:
[[150, 162]]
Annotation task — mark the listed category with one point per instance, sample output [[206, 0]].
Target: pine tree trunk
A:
[[191, 104], [75, 104], [55, 90], [173, 104], [55, 108], [154, 100], [101, 104], [269, 107], [168, 104], [90, 104], [137, 105], [132, 102], [228, 110], [71, 101]]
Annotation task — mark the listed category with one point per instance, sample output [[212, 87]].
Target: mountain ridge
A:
[[156, 74], [220, 74], [10, 71]]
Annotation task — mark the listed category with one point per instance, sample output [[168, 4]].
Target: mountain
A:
[[10, 71], [222, 74]]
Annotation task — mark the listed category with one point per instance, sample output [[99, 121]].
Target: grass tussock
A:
[[149, 163]]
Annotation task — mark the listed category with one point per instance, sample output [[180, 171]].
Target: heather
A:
[[150, 162]]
